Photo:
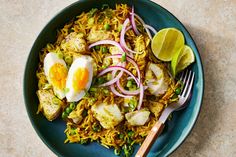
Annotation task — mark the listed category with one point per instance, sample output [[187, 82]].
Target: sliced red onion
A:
[[127, 92], [133, 22], [114, 79], [143, 23], [131, 61], [151, 28], [128, 28], [116, 68], [114, 91], [122, 37], [141, 96], [109, 42]]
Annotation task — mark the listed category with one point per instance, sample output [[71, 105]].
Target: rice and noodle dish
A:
[[101, 78]]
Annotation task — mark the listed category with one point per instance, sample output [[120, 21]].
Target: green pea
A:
[[123, 58], [106, 91], [68, 110], [64, 115], [97, 47], [59, 55], [130, 133], [178, 91], [129, 84], [68, 60], [109, 76], [72, 105], [104, 50], [121, 136], [107, 26], [101, 80]]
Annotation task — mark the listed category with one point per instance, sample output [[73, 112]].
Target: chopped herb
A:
[[129, 84], [123, 58], [96, 128], [104, 50], [130, 133], [92, 12], [84, 113], [101, 80], [120, 28], [109, 76], [83, 141], [91, 21], [59, 55], [117, 152], [121, 136], [97, 47], [105, 6], [68, 60]]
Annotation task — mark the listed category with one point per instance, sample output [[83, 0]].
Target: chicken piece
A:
[[115, 50], [75, 42], [155, 80], [76, 115], [97, 35], [156, 108], [108, 115], [49, 105], [137, 118]]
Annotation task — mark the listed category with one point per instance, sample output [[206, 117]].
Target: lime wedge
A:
[[182, 59], [166, 43]]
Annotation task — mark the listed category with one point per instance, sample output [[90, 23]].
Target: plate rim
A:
[[201, 71]]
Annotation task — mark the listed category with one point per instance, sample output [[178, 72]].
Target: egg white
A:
[[50, 60], [80, 62]]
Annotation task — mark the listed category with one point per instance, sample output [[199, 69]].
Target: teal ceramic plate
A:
[[52, 133]]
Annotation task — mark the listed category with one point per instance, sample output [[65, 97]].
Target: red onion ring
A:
[[143, 23], [151, 28], [133, 22], [122, 37], [104, 42], [130, 60], [116, 68], [114, 91], [141, 96]]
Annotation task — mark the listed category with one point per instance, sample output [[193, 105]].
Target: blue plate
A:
[[52, 133]]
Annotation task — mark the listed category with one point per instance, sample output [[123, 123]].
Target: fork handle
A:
[[149, 140]]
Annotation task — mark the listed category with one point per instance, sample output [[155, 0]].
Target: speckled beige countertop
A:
[[212, 23]]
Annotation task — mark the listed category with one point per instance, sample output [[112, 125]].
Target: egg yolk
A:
[[57, 75], [80, 79]]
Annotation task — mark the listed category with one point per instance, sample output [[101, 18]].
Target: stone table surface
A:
[[212, 23]]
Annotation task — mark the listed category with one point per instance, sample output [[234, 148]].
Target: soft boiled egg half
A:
[[56, 72], [79, 78]]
